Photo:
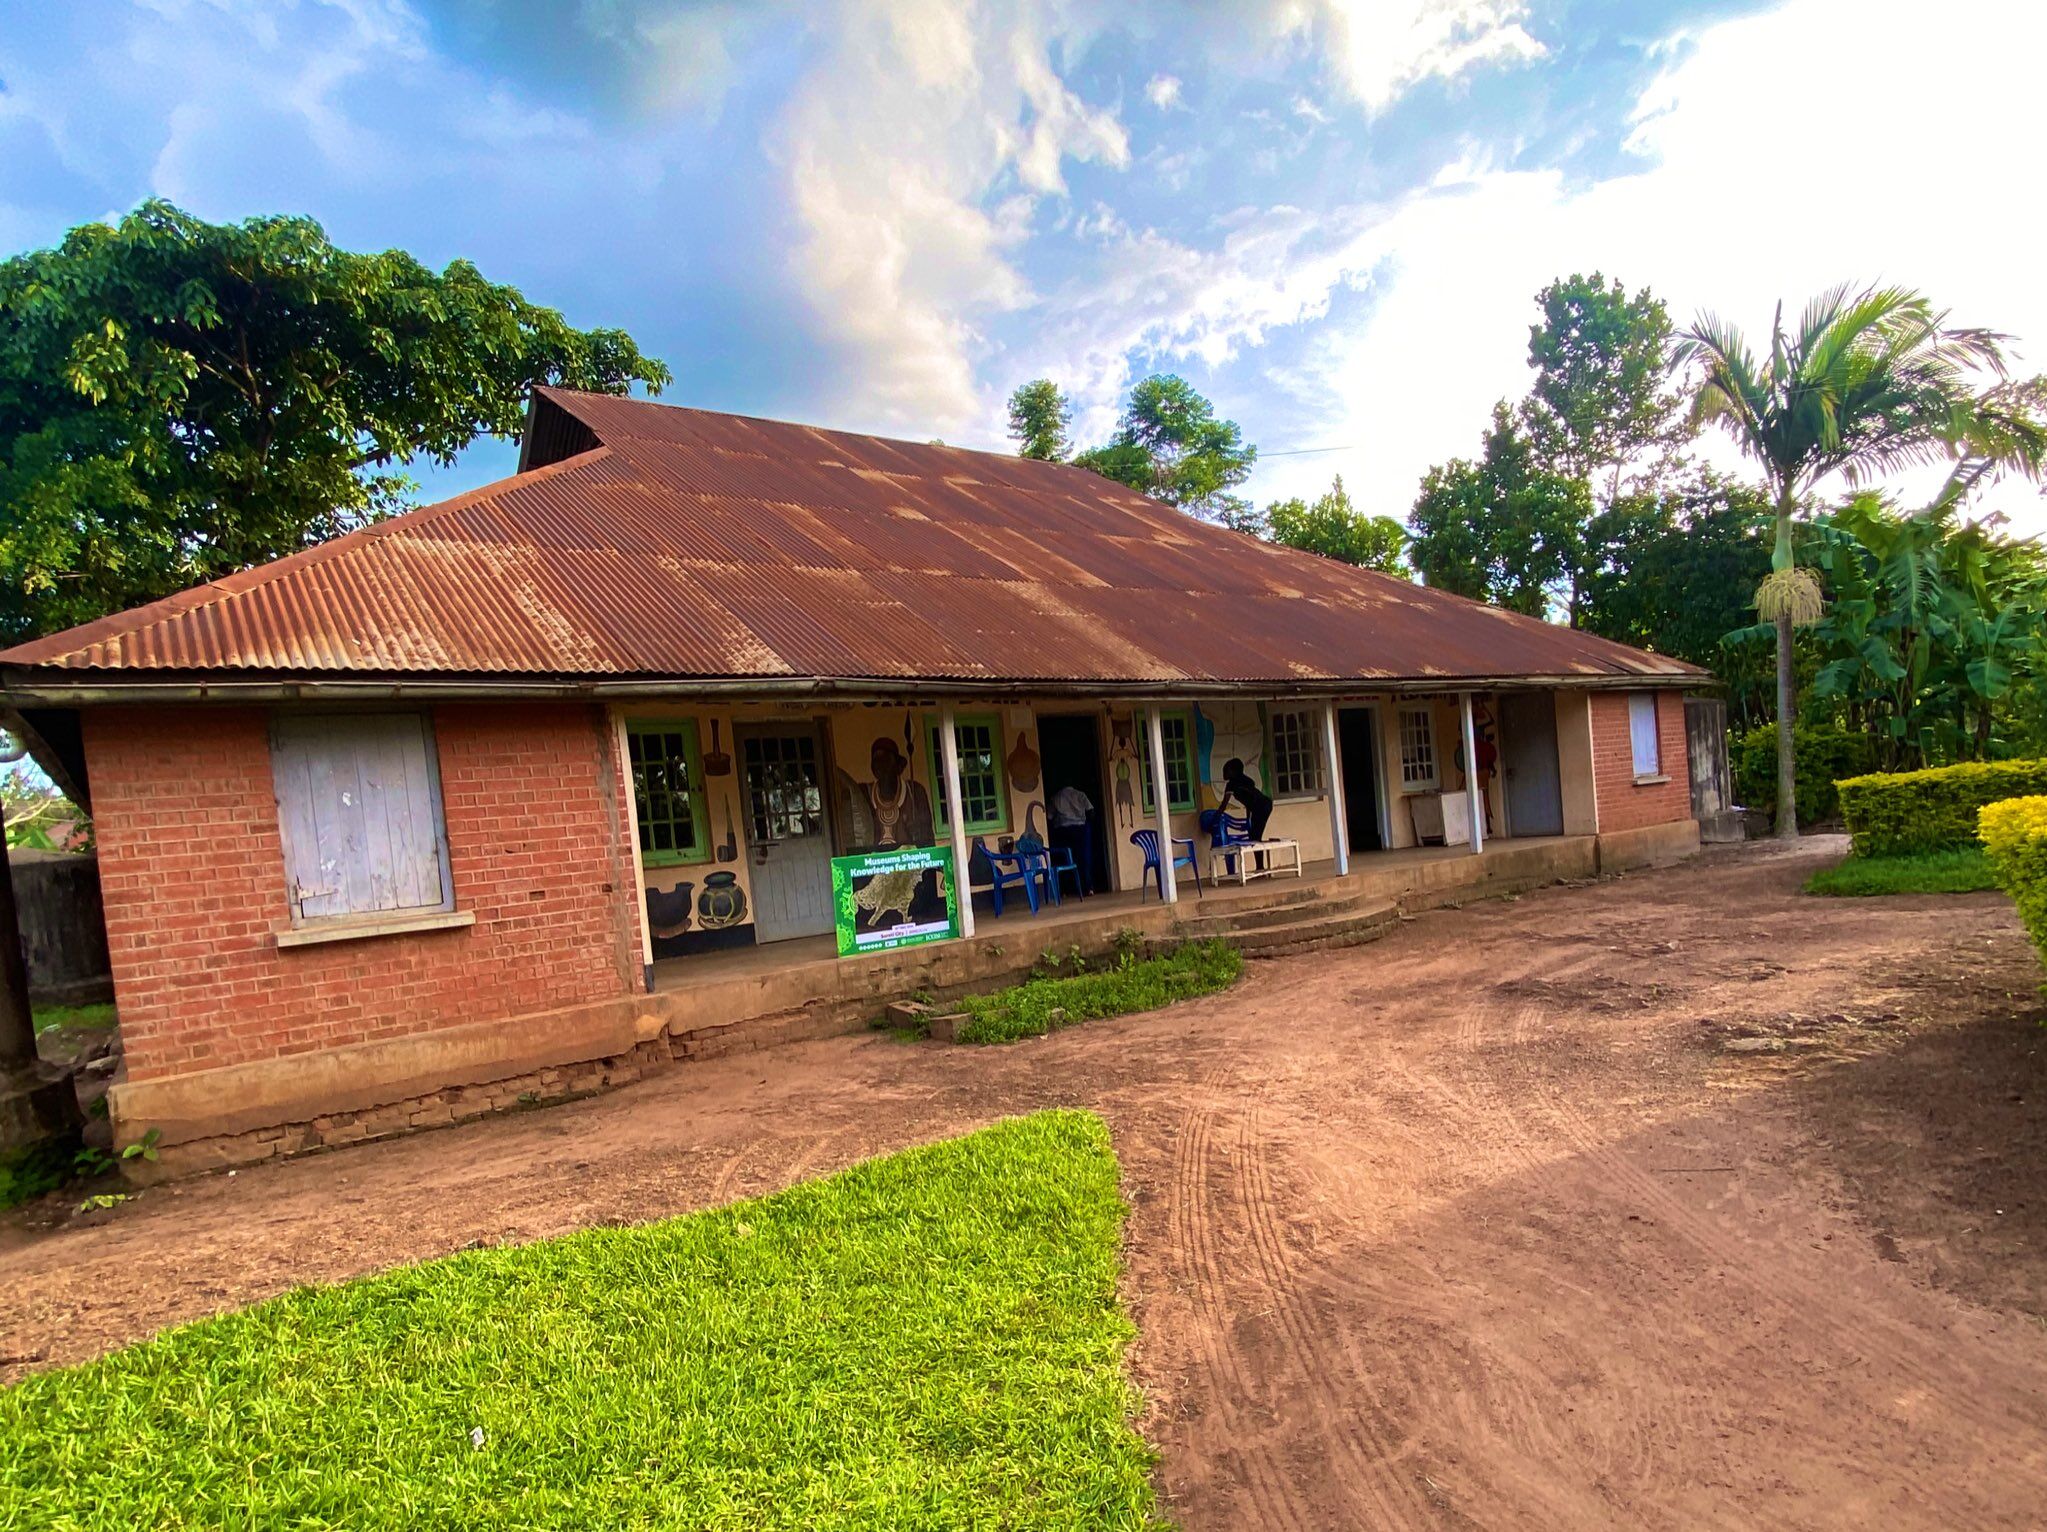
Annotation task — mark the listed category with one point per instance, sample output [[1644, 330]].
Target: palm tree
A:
[[1868, 383]]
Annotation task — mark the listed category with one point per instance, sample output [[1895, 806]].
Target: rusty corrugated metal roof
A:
[[689, 544]]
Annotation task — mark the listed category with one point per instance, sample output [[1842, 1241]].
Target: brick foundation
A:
[[466, 1103]]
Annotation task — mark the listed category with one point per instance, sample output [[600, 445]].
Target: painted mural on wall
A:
[[695, 909], [1023, 764], [1226, 731], [702, 906], [1485, 735], [887, 807], [1123, 768]]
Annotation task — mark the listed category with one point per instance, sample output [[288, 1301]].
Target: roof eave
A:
[[73, 688]]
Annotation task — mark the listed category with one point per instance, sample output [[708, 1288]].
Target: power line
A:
[[1310, 451]]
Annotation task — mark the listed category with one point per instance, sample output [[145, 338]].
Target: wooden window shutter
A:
[[359, 811]]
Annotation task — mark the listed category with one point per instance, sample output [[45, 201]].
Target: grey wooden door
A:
[[1528, 750], [789, 840]]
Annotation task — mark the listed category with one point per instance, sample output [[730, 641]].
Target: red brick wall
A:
[[1624, 805], [192, 870]]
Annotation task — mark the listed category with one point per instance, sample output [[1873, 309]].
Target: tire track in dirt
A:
[[1488, 1138], [1190, 1231], [1367, 1435], [1641, 1441]]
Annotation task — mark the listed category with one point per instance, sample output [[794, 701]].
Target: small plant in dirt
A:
[[30, 1172], [1040, 1004], [91, 1160]]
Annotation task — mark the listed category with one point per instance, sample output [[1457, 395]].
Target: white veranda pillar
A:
[[1162, 804], [1332, 773], [955, 816], [1473, 803]]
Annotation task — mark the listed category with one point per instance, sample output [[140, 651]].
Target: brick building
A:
[[515, 795]]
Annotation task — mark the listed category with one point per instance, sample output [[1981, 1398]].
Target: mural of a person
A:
[[1123, 756], [891, 810]]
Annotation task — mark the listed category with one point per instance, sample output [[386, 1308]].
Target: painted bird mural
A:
[[887, 891]]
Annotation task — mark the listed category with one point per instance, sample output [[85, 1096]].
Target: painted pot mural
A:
[[722, 903], [668, 910]]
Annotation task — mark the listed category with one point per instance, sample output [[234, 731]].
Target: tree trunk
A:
[[17, 1027], [1787, 731]]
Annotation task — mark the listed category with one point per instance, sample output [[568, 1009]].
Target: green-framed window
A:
[[984, 788], [668, 791], [1176, 725]]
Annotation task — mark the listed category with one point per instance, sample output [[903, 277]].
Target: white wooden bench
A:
[[1244, 857]]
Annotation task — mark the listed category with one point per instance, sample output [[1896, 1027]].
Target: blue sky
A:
[[1330, 214]]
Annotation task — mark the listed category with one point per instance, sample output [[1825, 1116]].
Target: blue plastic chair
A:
[[1225, 831], [1008, 869], [1147, 841], [1056, 860], [1059, 862]]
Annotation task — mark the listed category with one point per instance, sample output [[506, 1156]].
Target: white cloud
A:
[[894, 145], [1381, 48], [916, 114], [1163, 91], [1733, 209]]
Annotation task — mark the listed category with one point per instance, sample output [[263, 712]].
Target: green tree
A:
[[1503, 529], [1173, 446], [1602, 421], [1930, 624], [179, 399], [1040, 418], [1671, 570], [1603, 399], [1331, 526], [1866, 383]]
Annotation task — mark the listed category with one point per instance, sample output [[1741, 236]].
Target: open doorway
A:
[[1360, 751], [1071, 744]]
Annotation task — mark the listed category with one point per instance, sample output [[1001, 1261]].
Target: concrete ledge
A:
[[321, 931], [1650, 846], [301, 1086]]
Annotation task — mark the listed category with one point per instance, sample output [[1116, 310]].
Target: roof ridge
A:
[[566, 396]]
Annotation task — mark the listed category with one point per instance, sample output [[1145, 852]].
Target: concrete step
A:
[[1220, 919], [1343, 929]]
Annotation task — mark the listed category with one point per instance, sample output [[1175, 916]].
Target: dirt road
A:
[[1678, 1201]]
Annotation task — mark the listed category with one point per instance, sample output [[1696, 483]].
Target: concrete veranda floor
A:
[[1318, 880]]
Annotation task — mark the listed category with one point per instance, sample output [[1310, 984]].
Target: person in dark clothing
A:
[[1251, 799]]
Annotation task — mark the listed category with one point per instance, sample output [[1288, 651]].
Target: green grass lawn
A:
[[1963, 870], [48, 1016], [1129, 984], [927, 1340]]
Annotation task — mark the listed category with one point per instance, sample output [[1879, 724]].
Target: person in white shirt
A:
[[1069, 811]]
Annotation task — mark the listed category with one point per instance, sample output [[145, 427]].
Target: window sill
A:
[[350, 930], [1652, 779]]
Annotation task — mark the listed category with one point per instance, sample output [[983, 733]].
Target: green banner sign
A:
[[882, 900]]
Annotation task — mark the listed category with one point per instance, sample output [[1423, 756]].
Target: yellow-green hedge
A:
[[2015, 831], [1903, 811]]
